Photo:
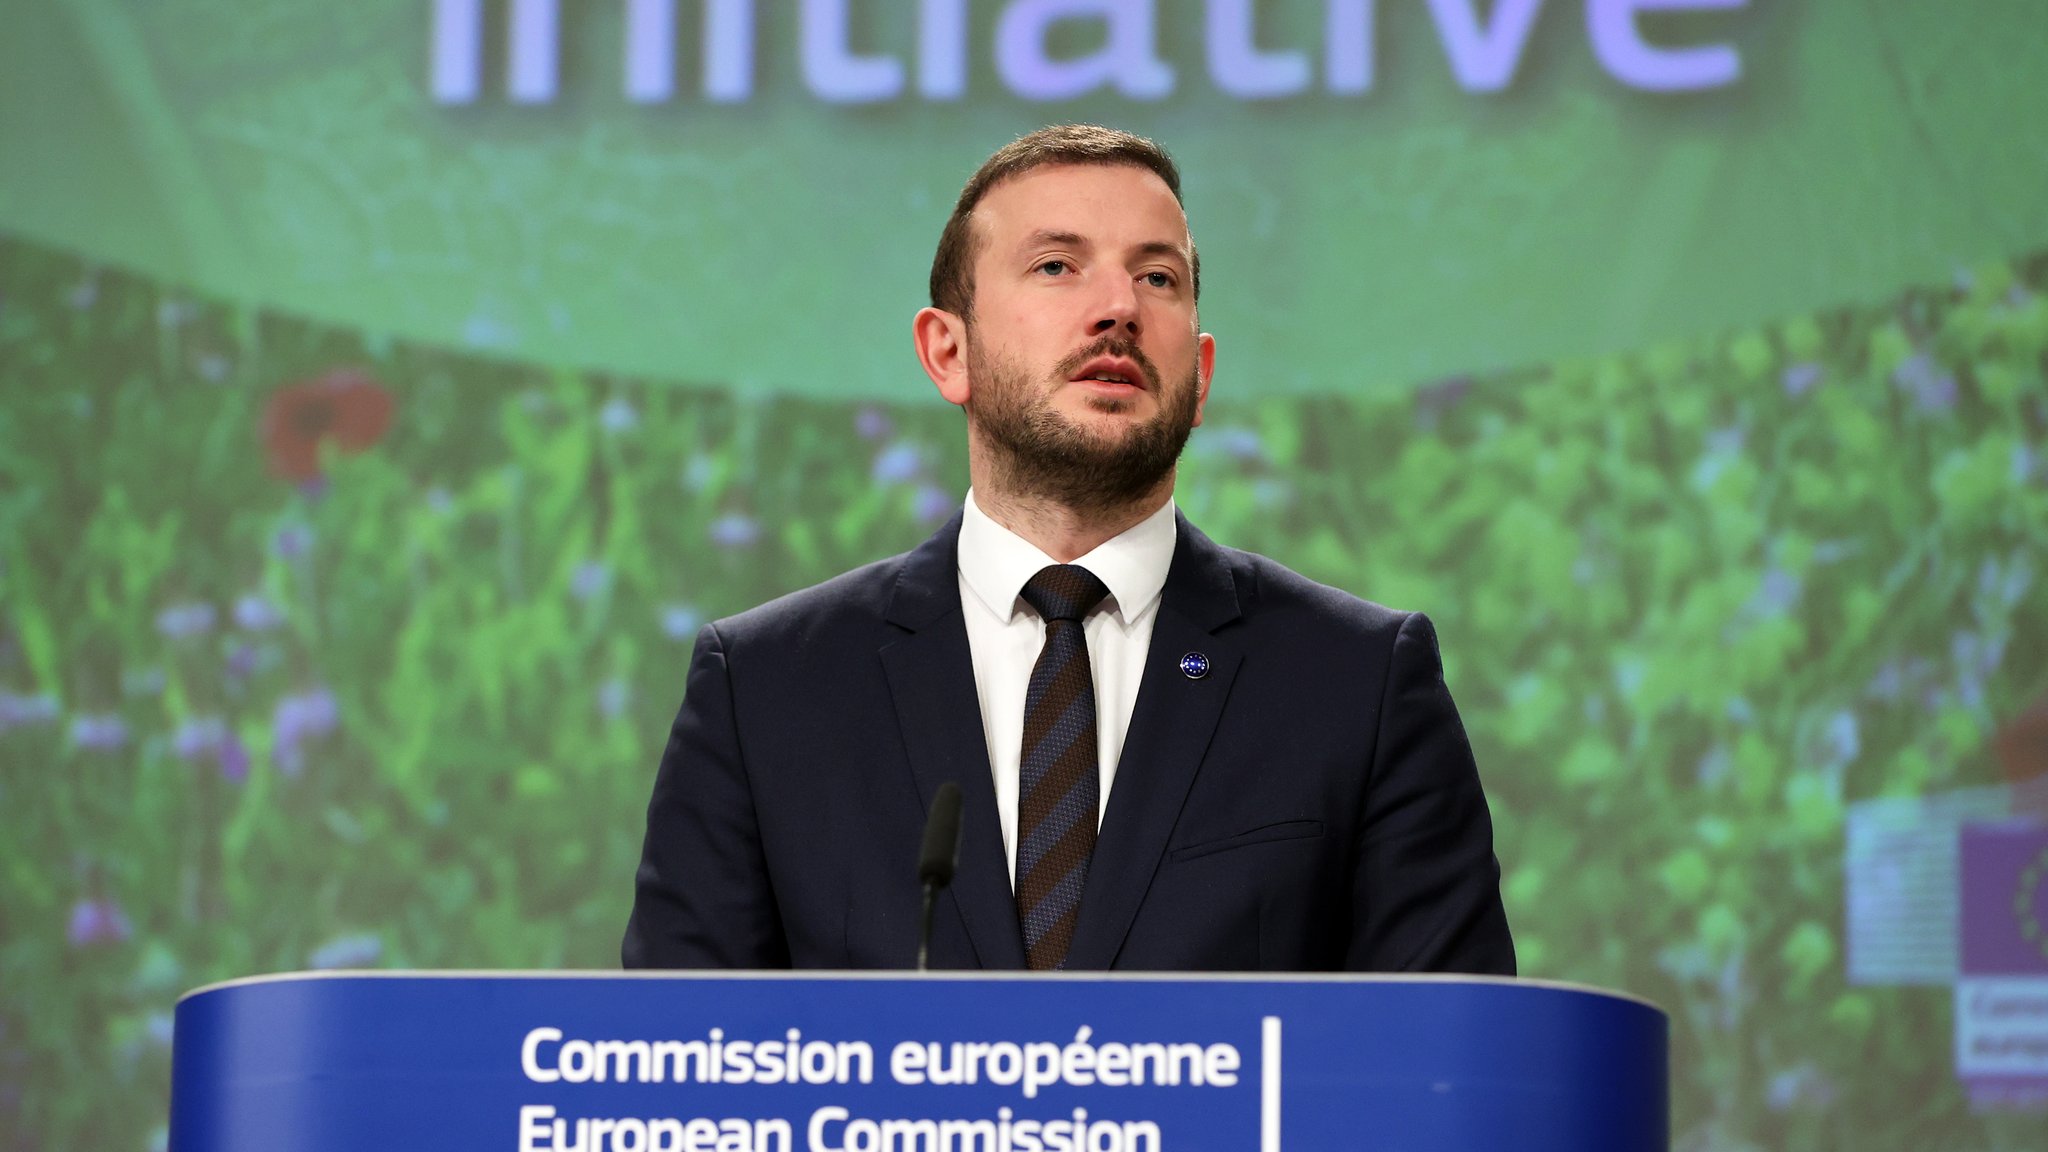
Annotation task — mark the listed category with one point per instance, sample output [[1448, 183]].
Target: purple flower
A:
[[243, 660], [358, 950], [101, 732], [1799, 379], [253, 613], [1802, 1087], [234, 758], [1629, 674], [618, 415], [319, 712], [680, 621], [213, 367], [614, 697], [932, 504], [2019, 575], [735, 530], [439, 501], [1271, 493], [1724, 446], [1714, 767], [1977, 654], [308, 715], [1434, 401], [291, 542], [209, 738], [700, 473], [899, 463], [198, 737], [97, 921], [174, 313], [871, 423], [85, 293], [22, 711], [1238, 443], [1844, 737], [1932, 390], [591, 579], [2025, 462], [482, 330], [184, 621], [1777, 595]]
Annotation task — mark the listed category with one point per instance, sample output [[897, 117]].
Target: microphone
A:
[[938, 859]]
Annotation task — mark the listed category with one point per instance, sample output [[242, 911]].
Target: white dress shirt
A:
[[1005, 634]]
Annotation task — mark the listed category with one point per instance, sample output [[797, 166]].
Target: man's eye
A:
[[1054, 267], [1159, 279]]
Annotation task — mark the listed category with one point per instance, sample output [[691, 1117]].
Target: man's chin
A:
[[1106, 432]]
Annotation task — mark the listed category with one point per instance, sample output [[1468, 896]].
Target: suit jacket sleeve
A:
[[1427, 882], [702, 897]]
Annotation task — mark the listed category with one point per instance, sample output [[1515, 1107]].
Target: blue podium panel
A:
[[668, 1062]]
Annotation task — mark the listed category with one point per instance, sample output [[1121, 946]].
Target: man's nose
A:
[[1117, 309]]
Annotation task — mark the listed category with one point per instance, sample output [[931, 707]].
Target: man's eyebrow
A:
[[1054, 238], [1164, 248]]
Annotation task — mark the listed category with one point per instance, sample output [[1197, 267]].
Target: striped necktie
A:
[[1058, 783]]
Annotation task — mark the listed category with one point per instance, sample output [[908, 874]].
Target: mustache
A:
[[1111, 346]]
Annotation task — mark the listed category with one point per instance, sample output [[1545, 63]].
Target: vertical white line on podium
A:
[[1269, 1086]]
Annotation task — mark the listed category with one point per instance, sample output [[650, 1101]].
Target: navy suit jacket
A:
[[1309, 804]]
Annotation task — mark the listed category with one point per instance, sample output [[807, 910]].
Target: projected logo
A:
[[1484, 45], [2002, 988]]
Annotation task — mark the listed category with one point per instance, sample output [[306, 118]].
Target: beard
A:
[[1039, 452]]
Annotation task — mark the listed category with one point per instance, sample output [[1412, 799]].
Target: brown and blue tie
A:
[[1058, 783]]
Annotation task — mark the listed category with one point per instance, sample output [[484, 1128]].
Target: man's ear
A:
[[941, 339], [1205, 367]]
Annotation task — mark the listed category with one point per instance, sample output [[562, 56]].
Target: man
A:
[[1174, 755]]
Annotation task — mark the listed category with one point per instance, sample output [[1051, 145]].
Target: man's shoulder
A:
[[856, 600]]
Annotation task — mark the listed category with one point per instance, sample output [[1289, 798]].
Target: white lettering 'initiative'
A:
[[1484, 44]]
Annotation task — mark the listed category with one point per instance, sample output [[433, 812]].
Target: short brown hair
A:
[[952, 283]]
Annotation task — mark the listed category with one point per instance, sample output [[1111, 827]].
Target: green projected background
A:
[[369, 460]]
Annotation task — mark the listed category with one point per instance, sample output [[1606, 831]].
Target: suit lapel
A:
[[1169, 733], [931, 682]]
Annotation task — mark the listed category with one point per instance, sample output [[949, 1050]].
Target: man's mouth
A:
[[1112, 370]]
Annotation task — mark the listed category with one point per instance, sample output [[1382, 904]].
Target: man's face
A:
[[1085, 365]]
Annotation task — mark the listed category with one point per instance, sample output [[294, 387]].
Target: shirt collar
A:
[[995, 562]]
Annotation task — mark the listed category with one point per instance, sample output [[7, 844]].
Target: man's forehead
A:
[[1075, 200]]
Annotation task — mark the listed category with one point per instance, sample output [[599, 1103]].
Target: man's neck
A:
[[1063, 533]]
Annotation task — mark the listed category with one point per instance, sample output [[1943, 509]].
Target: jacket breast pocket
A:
[[1264, 834]]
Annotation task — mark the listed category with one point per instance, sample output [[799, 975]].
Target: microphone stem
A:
[[924, 929]]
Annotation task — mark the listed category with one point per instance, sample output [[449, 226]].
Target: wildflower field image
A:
[[296, 695], [372, 454]]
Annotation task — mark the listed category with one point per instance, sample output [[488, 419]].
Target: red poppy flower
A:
[[345, 406], [2023, 744]]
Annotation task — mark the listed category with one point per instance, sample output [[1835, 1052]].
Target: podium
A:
[[867, 1062]]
